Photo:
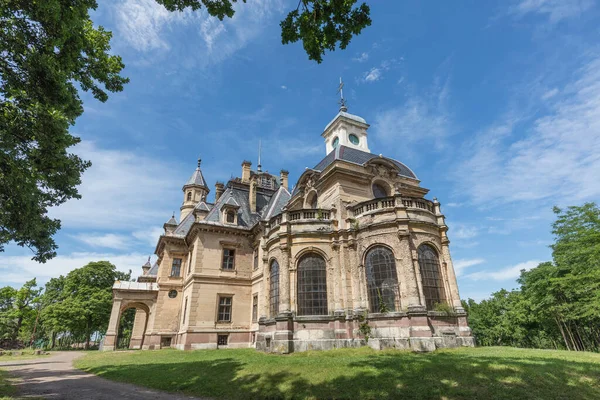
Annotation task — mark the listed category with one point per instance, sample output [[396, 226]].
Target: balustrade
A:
[[390, 202], [301, 215]]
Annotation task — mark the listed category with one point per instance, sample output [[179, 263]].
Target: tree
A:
[[18, 309], [49, 48], [320, 24], [81, 302]]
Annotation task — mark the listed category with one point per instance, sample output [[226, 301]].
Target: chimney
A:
[[219, 189], [252, 195], [246, 171], [284, 178]]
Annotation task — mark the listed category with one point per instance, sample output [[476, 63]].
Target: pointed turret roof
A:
[[171, 221], [197, 179]]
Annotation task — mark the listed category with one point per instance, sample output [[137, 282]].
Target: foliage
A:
[[18, 309], [364, 328], [49, 48], [383, 307], [466, 373], [320, 24], [558, 304], [444, 307]]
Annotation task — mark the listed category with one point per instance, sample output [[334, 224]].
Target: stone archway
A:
[[140, 325], [126, 295]]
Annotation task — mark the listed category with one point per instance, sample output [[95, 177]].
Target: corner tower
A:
[[194, 191]]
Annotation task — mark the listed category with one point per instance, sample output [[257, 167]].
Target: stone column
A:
[[266, 282], [412, 275], [451, 276], [284, 280], [337, 278], [110, 340]]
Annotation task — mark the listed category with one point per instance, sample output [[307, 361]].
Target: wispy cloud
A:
[[504, 274], [555, 10], [423, 119], [148, 28], [16, 270], [374, 74], [109, 240], [461, 264], [558, 153], [361, 58]]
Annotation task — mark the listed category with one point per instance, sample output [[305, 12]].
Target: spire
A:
[[259, 167], [171, 221], [197, 179], [342, 101]]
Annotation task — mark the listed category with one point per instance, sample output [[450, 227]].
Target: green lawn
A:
[[467, 373], [6, 390]]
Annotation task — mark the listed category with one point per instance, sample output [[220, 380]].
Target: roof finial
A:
[[199, 162], [342, 101], [259, 167]]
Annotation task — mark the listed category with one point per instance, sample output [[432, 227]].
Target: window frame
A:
[[382, 278], [274, 289], [178, 266], [255, 307], [189, 196], [311, 274], [230, 259], [222, 299], [432, 279]]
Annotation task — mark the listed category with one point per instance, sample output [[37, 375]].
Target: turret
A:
[[194, 191]]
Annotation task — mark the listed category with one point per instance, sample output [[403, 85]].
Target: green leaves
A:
[[48, 49], [323, 24]]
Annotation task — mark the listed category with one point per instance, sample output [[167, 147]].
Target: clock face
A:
[[353, 139], [336, 141], [172, 293]]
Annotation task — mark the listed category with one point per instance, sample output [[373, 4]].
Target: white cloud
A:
[[148, 27], [461, 264], [423, 119], [549, 94], [283, 87], [149, 236], [504, 274], [555, 10], [361, 58], [374, 74], [121, 190], [460, 231], [558, 154], [15, 270], [109, 240]]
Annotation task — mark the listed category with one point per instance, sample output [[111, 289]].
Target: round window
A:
[[353, 139], [172, 293], [335, 142]]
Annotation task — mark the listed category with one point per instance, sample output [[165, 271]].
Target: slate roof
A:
[[204, 206], [236, 195], [153, 270], [172, 221], [276, 204], [359, 157], [196, 179], [184, 227]]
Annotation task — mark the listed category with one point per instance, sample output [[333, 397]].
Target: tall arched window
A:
[[431, 277], [274, 289], [382, 279], [312, 285]]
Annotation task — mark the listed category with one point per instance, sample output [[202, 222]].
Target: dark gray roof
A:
[[204, 206], [172, 221], [154, 269], [233, 195], [196, 179], [358, 157], [278, 201], [184, 227]]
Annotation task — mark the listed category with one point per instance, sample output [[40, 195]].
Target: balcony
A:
[[302, 220], [389, 203]]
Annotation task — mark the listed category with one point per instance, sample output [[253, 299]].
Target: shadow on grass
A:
[[391, 375]]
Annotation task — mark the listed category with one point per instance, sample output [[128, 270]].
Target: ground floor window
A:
[[224, 309], [222, 340]]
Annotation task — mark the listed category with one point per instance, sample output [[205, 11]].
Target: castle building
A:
[[354, 249]]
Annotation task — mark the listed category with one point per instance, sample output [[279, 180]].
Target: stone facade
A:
[[355, 244]]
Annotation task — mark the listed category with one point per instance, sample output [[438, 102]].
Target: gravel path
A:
[[54, 377]]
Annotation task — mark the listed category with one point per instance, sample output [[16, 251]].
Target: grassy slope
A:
[[482, 373]]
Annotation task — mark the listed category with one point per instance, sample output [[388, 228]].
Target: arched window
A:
[[230, 217], [431, 277], [189, 196], [379, 191], [382, 279], [274, 289], [312, 285]]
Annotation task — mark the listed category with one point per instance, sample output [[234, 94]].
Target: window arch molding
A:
[[432, 278], [384, 184], [381, 276], [311, 198], [307, 250], [274, 274], [311, 284]]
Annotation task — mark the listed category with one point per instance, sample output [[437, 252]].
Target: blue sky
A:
[[494, 105]]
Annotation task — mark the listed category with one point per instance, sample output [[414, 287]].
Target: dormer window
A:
[[230, 217], [353, 139], [189, 196], [266, 182]]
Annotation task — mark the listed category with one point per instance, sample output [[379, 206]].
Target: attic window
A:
[[335, 142], [189, 196], [230, 217]]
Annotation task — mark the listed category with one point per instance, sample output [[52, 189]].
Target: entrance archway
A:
[[133, 322]]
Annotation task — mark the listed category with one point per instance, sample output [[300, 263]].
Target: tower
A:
[[194, 190]]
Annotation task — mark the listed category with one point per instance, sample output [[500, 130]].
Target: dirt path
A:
[[54, 377]]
